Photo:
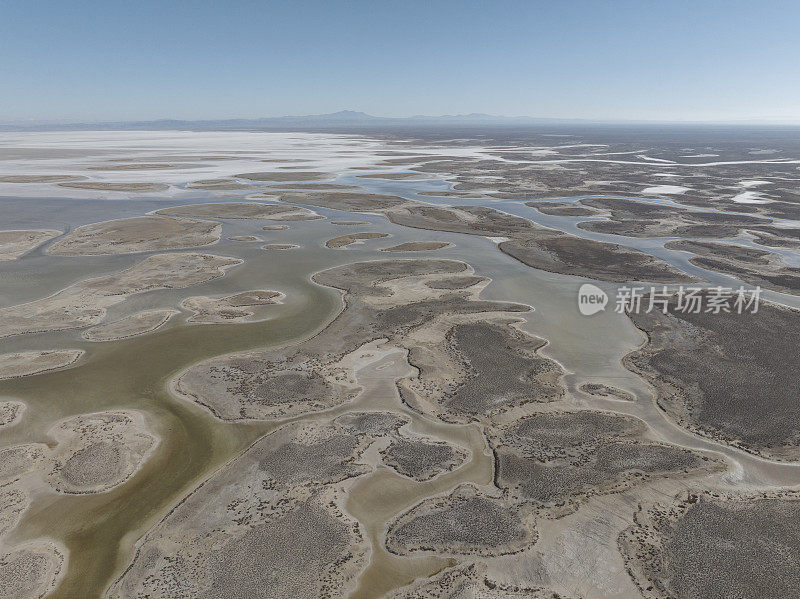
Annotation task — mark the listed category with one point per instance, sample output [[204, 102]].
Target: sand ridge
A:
[[132, 325], [26, 363], [14, 244]]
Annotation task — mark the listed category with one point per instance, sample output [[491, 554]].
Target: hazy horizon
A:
[[491, 119]]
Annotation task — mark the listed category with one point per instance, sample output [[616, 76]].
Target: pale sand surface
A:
[[346, 240], [97, 452], [239, 210], [128, 186], [11, 412], [136, 166], [417, 246], [396, 176], [133, 325], [606, 391], [245, 238], [93, 453], [313, 186], [13, 503], [14, 244], [246, 306], [38, 178], [284, 176], [279, 246], [131, 235], [219, 185], [30, 570], [33, 362]]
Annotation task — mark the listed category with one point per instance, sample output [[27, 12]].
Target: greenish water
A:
[[99, 530]]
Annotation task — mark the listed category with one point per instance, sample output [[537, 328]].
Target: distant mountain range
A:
[[349, 119], [344, 120]]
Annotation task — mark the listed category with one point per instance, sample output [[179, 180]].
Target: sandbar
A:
[[350, 239], [108, 186], [14, 244], [85, 303], [418, 246], [26, 363], [138, 234], [132, 325], [239, 307], [239, 210]]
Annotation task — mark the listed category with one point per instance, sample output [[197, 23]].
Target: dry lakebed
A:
[[319, 365]]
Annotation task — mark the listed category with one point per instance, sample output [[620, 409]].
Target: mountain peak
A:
[[349, 113]]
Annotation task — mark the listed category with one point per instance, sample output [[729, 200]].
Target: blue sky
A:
[[666, 60]]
